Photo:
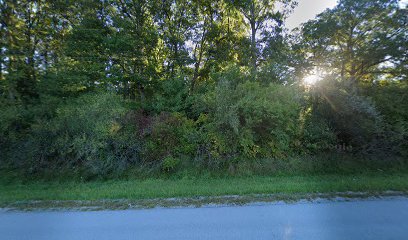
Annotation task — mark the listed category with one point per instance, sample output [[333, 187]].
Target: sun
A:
[[311, 79]]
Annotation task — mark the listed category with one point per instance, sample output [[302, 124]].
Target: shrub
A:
[[392, 101], [250, 121], [354, 118], [11, 121], [16, 120], [315, 135], [171, 95], [171, 136], [86, 136], [170, 163]]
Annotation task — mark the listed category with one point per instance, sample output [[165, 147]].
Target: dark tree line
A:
[[129, 45]]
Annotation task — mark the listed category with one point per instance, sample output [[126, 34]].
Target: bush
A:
[[354, 118], [16, 120], [315, 135], [392, 102], [171, 136], [247, 120], [86, 136], [170, 163], [11, 121], [171, 95]]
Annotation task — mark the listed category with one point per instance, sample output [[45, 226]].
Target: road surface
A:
[[357, 219]]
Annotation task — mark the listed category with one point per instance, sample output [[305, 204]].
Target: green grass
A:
[[166, 188]]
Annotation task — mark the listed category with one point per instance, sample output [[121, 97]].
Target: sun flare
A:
[[311, 79]]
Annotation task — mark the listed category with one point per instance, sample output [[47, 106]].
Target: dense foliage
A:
[[107, 88]]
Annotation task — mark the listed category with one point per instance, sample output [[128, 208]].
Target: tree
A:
[[86, 47], [176, 20], [31, 43], [283, 59], [21, 24], [357, 38], [218, 38], [259, 14], [135, 50]]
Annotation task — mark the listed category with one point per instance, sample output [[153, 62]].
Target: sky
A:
[[308, 9]]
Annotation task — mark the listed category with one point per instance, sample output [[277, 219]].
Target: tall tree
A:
[[176, 20], [135, 49], [218, 38], [29, 44], [85, 48], [356, 38], [260, 15]]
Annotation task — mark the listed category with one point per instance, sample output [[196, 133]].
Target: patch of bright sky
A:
[[308, 9]]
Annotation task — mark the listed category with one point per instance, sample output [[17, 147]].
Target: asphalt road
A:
[[364, 219]]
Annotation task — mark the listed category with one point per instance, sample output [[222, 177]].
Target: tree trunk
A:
[[198, 61], [253, 45], [1, 63], [252, 21]]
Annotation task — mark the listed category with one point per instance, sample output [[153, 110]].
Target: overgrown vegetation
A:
[[134, 89]]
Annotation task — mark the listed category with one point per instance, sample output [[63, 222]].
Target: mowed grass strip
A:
[[169, 188]]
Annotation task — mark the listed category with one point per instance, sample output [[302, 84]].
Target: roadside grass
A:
[[201, 186]]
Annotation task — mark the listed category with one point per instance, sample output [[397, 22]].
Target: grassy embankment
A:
[[168, 188]]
